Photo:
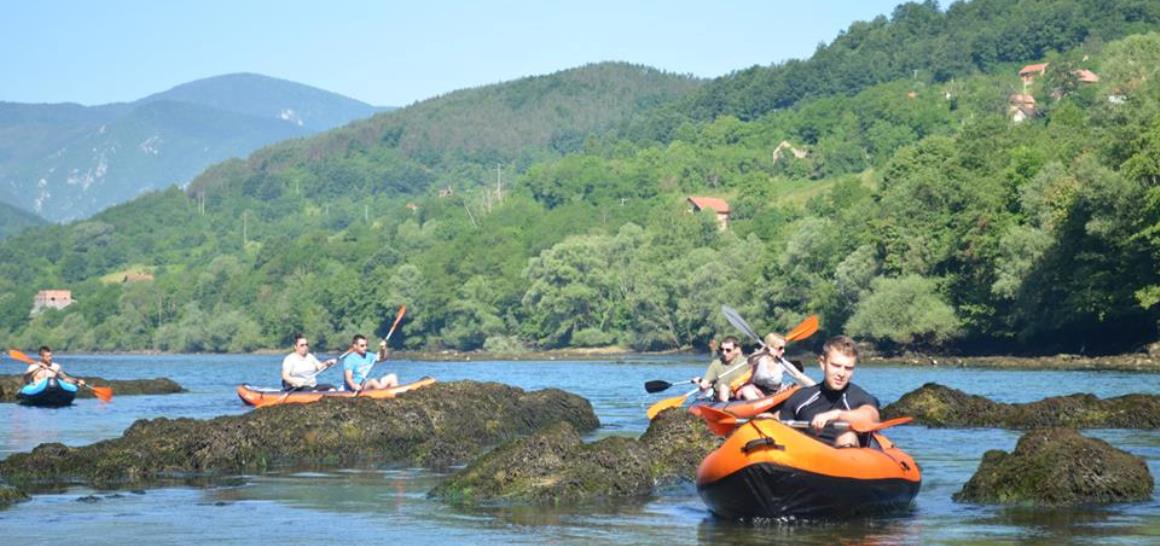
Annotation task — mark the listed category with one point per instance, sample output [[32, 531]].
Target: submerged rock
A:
[[1058, 466], [554, 466], [10, 495], [11, 384], [435, 427], [938, 406]]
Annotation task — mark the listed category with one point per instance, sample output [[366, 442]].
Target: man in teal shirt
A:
[[357, 364], [730, 364]]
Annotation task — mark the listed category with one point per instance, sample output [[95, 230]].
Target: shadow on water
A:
[[899, 528]]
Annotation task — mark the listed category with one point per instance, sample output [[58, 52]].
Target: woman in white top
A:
[[769, 369], [300, 368]]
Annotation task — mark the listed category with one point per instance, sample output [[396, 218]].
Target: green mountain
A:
[[14, 220], [974, 214], [65, 161]]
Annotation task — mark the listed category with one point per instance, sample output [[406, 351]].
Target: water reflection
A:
[[903, 528]]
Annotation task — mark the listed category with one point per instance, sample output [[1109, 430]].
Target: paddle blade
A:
[[667, 403], [875, 427], [735, 319], [398, 317], [720, 422], [656, 385], [803, 330], [104, 394], [17, 355]]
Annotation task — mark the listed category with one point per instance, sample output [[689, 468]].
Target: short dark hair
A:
[[44, 349], [731, 339], [354, 340], [298, 336], [841, 344]]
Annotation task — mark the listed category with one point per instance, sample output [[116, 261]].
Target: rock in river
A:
[[10, 385], [554, 466], [436, 427], [938, 406], [1058, 466]]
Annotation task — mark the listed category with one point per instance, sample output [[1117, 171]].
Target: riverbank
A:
[[1135, 362]]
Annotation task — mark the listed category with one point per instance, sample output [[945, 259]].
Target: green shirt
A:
[[717, 370]]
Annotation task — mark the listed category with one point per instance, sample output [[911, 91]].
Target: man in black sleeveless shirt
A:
[[835, 398]]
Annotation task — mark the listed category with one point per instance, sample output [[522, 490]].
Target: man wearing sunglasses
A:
[[357, 364], [728, 365]]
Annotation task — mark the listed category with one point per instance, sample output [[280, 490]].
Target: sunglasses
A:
[[729, 350], [303, 345]]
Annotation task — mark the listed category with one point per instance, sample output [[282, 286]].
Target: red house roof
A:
[[714, 203], [1033, 69], [1086, 76]]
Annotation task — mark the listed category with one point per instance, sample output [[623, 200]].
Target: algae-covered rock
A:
[[11, 384], [10, 496], [1058, 466], [938, 406], [554, 466], [435, 427]]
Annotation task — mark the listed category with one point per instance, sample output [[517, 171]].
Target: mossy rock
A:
[[436, 427], [1058, 466], [939, 406], [10, 496], [11, 384], [554, 466]]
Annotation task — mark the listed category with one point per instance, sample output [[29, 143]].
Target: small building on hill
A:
[[51, 299], [784, 146], [1086, 76], [1029, 72], [718, 206], [1020, 107]]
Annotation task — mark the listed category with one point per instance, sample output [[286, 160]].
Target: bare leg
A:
[[749, 392], [722, 393], [385, 382], [846, 439]]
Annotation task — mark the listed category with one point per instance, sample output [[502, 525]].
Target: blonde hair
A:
[[774, 340]]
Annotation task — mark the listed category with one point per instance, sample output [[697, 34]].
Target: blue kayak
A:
[[47, 393]]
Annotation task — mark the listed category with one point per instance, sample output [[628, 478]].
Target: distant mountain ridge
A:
[[67, 161]]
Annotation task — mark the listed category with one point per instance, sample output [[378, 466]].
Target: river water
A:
[[390, 504]]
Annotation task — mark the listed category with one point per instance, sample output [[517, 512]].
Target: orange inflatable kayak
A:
[[254, 396], [766, 469]]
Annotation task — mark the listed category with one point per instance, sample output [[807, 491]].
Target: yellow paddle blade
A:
[[803, 330], [667, 403]]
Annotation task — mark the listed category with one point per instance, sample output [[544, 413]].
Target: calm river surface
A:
[[390, 505]]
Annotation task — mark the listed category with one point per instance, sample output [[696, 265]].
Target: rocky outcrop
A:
[[939, 406], [555, 467], [1058, 466], [10, 495], [10, 385], [435, 427]]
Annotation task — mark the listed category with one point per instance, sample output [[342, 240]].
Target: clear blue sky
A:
[[389, 53]]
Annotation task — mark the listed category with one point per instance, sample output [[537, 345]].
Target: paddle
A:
[[398, 318], [801, 331], [104, 394], [658, 385], [722, 422], [262, 402]]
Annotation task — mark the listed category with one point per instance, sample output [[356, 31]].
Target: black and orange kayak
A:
[[766, 469], [255, 396]]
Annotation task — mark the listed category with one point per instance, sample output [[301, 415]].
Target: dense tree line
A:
[[920, 216]]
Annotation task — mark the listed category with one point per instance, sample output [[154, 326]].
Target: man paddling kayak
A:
[[356, 366], [47, 369], [728, 365], [835, 398], [301, 368]]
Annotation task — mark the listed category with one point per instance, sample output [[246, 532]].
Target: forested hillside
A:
[[969, 212]]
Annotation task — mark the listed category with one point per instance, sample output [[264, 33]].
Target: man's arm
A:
[[382, 351], [865, 413]]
